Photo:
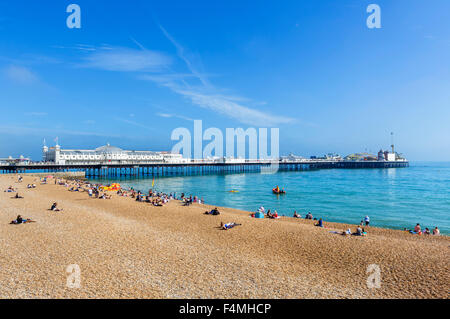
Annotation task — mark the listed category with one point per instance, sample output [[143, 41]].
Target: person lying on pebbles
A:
[[20, 220], [10, 189], [228, 225]]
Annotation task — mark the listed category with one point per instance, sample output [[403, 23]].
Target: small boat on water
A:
[[278, 191]]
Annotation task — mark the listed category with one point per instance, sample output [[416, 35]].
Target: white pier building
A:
[[107, 155]]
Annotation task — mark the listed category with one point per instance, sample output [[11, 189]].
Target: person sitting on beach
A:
[[296, 215], [418, 229], [228, 225], [359, 231], [20, 220], [269, 214], [427, 231], [309, 216], [157, 202], [320, 223], [187, 201], [436, 231], [105, 196], [275, 215], [55, 207], [214, 212]]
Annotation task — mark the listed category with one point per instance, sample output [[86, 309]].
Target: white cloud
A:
[[133, 123], [234, 110], [204, 94], [207, 97], [21, 75], [182, 55], [126, 60], [168, 115], [26, 130]]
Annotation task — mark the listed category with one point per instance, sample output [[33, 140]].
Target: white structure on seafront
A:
[[107, 155]]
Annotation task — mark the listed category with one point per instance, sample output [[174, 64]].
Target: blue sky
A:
[[136, 70]]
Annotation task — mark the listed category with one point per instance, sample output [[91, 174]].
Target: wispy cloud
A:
[[35, 113], [126, 60], [134, 123], [81, 47], [156, 67], [169, 115], [222, 105], [20, 74], [21, 130], [182, 55], [207, 96]]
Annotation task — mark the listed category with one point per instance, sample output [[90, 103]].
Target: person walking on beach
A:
[[367, 220]]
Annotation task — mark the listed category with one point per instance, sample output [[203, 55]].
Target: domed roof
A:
[[108, 149]]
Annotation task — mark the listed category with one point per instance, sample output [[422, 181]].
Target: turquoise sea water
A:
[[393, 198]]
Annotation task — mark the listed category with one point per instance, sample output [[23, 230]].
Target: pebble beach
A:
[[130, 249]]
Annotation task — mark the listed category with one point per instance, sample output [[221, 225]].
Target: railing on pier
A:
[[195, 168]]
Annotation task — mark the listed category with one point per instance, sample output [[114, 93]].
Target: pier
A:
[[105, 170]]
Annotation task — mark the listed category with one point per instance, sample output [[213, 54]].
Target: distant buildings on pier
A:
[[113, 155], [12, 161]]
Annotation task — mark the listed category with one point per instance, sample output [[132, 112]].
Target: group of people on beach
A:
[[418, 230], [154, 198], [160, 199], [360, 231]]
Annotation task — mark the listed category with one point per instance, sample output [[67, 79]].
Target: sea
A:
[[394, 198]]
